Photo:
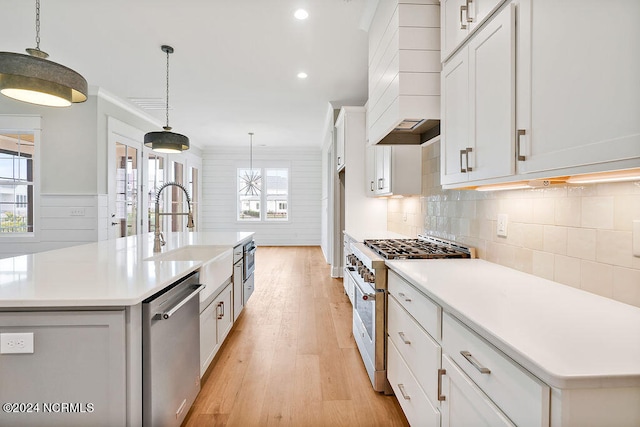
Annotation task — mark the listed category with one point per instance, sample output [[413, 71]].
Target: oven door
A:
[[364, 321]]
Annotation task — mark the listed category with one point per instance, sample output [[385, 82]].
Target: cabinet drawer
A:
[[522, 397], [427, 313], [414, 402], [420, 351]]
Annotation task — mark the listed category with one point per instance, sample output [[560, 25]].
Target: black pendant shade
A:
[[33, 78], [166, 141]]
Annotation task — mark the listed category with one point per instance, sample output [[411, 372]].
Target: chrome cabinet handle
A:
[[441, 372], [463, 25], [462, 153], [467, 355], [467, 151], [380, 183], [469, 19], [403, 392], [372, 189], [221, 305], [339, 159], [403, 338], [520, 134]]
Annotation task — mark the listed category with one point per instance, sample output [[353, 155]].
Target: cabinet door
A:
[[464, 403], [340, 131], [492, 99], [578, 90], [383, 170], [370, 171], [238, 298], [455, 118], [453, 20], [225, 314]]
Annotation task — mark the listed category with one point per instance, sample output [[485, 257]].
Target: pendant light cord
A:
[[167, 127], [38, 24], [251, 151]]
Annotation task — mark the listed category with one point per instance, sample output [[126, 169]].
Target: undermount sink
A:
[[189, 253]]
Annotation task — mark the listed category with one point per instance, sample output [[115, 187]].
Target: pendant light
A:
[[34, 79], [252, 180], [166, 141]]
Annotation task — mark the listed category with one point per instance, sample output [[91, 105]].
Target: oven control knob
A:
[[370, 278]]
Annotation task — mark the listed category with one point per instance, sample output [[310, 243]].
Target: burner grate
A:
[[423, 248]]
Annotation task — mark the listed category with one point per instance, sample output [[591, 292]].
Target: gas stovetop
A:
[[424, 247]]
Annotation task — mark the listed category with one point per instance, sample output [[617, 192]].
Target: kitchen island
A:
[[79, 361]]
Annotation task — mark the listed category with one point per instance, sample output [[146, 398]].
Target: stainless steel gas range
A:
[[366, 283]]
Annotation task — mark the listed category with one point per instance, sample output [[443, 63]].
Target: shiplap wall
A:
[[219, 182], [62, 220]]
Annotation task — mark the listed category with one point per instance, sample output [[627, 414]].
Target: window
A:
[[254, 204], [17, 151]]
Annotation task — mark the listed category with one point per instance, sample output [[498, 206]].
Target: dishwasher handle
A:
[[172, 311]]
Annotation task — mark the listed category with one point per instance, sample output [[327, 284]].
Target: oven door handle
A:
[[366, 296]]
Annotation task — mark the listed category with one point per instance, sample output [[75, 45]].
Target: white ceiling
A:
[[235, 62]]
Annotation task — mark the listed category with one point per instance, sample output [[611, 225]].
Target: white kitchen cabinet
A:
[[478, 136], [78, 357], [413, 401], [464, 403], [542, 99], [340, 129], [578, 85], [518, 394], [397, 170], [215, 323], [459, 19], [238, 273]]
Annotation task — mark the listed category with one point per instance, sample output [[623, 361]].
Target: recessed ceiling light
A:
[[301, 14], [302, 75]]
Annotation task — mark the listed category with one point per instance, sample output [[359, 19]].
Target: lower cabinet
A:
[[412, 399], [465, 404], [215, 323], [75, 375]]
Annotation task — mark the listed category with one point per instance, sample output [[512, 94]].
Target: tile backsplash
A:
[[580, 236]]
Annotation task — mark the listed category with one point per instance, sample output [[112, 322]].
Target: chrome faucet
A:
[[158, 240]]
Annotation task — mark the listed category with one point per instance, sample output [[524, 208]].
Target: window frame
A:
[[262, 167], [27, 124]]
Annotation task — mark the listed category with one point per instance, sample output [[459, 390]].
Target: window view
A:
[[155, 177], [126, 189], [16, 182], [272, 204]]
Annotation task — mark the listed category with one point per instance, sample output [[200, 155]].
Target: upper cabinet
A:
[[460, 18], [526, 96], [404, 71], [340, 140], [579, 89], [479, 105], [393, 170]]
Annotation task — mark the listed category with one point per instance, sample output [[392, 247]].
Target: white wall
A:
[[219, 182]]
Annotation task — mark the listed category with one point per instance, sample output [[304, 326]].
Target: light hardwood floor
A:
[[291, 360]]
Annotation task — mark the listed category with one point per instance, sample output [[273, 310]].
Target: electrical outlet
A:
[[503, 221], [16, 343]]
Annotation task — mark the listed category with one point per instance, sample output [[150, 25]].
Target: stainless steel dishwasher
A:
[[171, 353]]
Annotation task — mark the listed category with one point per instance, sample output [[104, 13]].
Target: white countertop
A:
[[567, 337], [102, 274]]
